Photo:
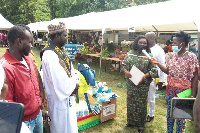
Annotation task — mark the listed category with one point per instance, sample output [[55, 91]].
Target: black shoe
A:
[[149, 119], [128, 125], [140, 129]]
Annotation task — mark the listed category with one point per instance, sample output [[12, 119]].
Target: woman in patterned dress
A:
[[182, 71], [137, 95]]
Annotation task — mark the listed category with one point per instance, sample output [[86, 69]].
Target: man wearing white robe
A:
[[59, 86]]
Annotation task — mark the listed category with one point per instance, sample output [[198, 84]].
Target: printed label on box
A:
[[109, 110]]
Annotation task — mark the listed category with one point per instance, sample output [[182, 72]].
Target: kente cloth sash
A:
[[64, 59], [178, 83]]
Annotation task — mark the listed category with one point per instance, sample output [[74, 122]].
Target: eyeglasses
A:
[[142, 42]]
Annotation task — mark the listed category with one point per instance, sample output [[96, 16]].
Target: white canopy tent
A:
[[39, 26], [89, 21], [4, 24], [169, 16]]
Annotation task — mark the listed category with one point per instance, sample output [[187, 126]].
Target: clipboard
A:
[[11, 115], [182, 108], [137, 75]]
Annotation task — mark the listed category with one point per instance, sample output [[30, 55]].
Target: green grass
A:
[[117, 125]]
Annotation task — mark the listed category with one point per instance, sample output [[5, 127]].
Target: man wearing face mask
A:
[[59, 81], [182, 70], [159, 54]]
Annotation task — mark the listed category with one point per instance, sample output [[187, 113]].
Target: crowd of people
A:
[[21, 82], [181, 70], [24, 85], [3, 39]]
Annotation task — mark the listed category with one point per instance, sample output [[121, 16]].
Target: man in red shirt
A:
[[21, 77]]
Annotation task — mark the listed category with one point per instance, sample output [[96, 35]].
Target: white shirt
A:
[[24, 62], [159, 54]]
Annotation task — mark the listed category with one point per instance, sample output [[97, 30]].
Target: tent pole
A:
[[155, 29], [67, 36], [100, 59], [156, 33], [102, 32]]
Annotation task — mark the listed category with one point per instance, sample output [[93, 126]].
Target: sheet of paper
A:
[[137, 75]]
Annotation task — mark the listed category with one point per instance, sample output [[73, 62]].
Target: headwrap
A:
[[56, 28]]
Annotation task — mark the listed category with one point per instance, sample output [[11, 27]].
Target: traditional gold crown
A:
[[56, 28]]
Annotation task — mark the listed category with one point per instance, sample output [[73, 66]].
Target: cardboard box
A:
[[108, 110]]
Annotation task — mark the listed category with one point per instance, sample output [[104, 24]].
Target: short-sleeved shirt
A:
[[181, 71]]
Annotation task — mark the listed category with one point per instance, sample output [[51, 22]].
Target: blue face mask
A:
[[175, 49]]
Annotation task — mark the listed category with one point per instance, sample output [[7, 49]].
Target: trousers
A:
[[151, 98], [170, 122], [36, 124]]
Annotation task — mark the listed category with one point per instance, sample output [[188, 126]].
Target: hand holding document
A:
[[137, 75]]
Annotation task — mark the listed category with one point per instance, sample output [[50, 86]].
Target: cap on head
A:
[[56, 28]]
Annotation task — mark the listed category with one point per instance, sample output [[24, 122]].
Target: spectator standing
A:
[[32, 56], [182, 71], [21, 78], [159, 54], [59, 81], [137, 95]]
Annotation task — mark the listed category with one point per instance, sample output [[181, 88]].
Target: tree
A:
[[78, 7], [42, 13], [53, 7], [68, 8], [25, 11], [143, 2]]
